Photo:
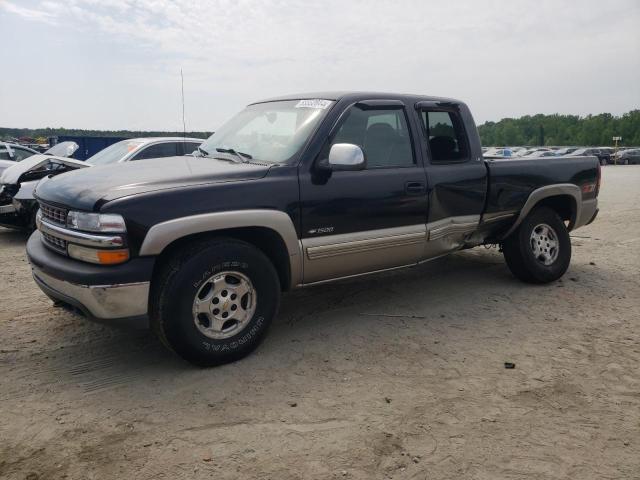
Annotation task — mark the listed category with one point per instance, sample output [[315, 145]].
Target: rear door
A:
[[457, 178], [373, 219]]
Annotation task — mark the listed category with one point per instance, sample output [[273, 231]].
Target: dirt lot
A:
[[398, 375]]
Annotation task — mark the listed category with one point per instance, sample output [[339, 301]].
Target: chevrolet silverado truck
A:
[[289, 193]]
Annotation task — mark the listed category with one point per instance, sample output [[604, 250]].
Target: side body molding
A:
[[550, 191], [162, 234]]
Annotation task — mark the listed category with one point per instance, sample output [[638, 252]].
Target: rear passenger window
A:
[[446, 136], [382, 134], [158, 150]]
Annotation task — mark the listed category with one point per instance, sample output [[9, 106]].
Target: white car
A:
[[144, 148], [10, 153]]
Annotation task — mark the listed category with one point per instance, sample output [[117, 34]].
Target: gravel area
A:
[[398, 375]]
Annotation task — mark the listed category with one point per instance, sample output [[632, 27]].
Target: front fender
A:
[[161, 235]]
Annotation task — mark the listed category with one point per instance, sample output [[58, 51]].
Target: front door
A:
[[373, 219]]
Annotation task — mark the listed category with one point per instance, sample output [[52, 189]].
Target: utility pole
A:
[[615, 151]]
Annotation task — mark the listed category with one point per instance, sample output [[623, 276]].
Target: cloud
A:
[[504, 58], [27, 13]]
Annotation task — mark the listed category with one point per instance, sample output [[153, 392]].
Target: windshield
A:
[[269, 132], [114, 153]]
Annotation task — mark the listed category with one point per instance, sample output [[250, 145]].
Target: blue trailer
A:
[[87, 146]]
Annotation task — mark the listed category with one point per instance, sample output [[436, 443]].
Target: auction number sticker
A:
[[314, 103]]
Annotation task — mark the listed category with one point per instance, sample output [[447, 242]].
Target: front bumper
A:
[[100, 292], [10, 208]]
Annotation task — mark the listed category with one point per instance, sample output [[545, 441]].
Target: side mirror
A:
[[345, 156]]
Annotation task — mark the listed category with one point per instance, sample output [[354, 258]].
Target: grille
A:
[[55, 242], [54, 214]]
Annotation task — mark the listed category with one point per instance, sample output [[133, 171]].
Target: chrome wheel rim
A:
[[224, 305], [544, 244]]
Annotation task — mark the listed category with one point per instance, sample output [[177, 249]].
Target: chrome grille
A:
[[55, 242], [54, 214]]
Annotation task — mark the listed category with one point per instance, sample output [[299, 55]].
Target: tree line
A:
[[538, 130], [8, 133]]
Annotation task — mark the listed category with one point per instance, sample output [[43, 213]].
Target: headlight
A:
[[96, 222]]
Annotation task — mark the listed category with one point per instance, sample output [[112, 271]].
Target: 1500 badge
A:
[[314, 231]]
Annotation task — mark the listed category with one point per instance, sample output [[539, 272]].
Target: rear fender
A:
[[561, 190]]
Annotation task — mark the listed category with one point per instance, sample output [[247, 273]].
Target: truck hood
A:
[[13, 174], [83, 189]]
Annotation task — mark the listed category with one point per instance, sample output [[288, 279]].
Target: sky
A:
[[115, 64]]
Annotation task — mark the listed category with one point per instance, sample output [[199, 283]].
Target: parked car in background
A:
[[627, 157], [607, 154], [145, 148], [12, 152], [498, 152], [539, 152], [603, 157], [17, 204], [529, 151], [19, 153], [544, 153], [565, 151]]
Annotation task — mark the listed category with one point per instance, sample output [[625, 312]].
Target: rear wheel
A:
[[539, 251], [213, 302]]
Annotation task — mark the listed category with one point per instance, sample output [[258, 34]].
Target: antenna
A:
[[184, 125]]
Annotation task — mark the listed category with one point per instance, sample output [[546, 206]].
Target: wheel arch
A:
[[565, 199], [270, 231]]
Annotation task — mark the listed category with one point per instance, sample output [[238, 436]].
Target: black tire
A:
[[181, 278], [519, 254]]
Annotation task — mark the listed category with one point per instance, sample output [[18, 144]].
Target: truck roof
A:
[[356, 96]]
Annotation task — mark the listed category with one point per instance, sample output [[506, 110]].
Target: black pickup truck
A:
[[292, 192]]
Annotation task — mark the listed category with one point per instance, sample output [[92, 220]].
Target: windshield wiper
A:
[[203, 152], [241, 155]]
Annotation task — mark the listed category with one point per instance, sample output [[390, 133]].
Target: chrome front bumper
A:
[[101, 302], [7, 208]]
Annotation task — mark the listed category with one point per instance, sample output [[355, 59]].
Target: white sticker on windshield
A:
[[313, 103]]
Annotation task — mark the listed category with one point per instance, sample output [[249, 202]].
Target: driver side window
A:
[[382, 134]]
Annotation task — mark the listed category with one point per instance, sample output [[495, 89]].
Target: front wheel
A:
[[539, 251], [212, 303]]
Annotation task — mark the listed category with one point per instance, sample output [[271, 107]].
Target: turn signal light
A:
[[102, 257], [108, 257]]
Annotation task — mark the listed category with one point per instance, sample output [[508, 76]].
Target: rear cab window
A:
[[445, 134]]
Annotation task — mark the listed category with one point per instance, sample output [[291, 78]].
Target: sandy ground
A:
[[399, 375]]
